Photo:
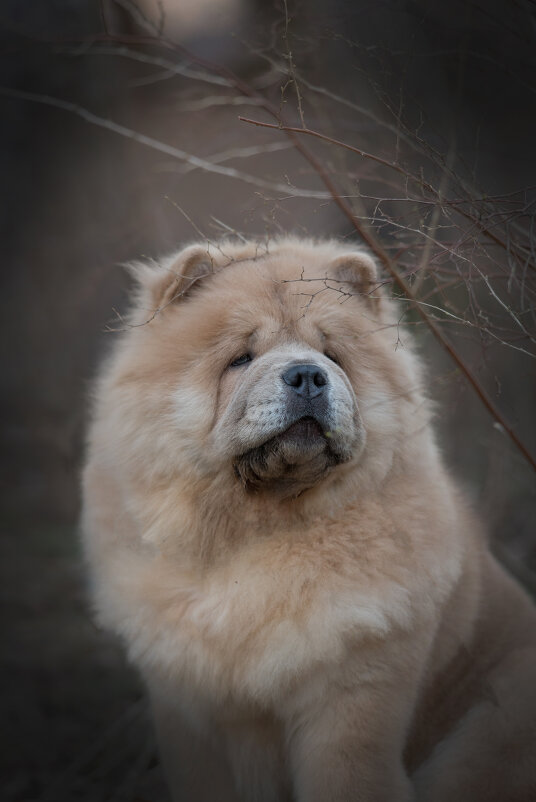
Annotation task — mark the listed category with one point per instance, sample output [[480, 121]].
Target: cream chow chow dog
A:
[[271, 530]]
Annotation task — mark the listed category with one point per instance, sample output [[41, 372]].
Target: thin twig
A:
[[290, 62]]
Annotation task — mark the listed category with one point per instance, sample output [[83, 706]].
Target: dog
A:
[[271, 530]]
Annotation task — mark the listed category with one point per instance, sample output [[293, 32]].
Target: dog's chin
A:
[[289, 463]]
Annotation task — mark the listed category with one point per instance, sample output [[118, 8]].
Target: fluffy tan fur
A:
[[317, 615]]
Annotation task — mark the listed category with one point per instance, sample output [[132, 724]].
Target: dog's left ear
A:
[[188, 267], [359, 271], [173, 279]]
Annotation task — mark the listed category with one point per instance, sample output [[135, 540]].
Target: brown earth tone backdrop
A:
[[121, 140]]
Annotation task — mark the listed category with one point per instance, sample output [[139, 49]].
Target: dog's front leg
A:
[[346, 736]]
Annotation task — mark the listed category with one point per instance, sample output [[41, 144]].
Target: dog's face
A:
[[288, 413], [270, 365]]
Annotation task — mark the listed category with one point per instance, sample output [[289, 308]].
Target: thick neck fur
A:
[[222, 515]]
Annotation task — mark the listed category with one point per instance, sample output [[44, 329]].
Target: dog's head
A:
[[272, 364]]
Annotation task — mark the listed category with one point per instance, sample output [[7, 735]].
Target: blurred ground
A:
[[80, 199], [75, 723]]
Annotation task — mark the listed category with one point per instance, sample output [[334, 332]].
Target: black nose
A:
[[306, 380]]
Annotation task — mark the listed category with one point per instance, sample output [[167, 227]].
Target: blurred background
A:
[[121, 140]]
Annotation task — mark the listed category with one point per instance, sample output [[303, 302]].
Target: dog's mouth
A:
[[305, 431], [291, 461]]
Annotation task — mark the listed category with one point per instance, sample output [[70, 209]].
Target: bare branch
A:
[[290, 62], [161, 147]]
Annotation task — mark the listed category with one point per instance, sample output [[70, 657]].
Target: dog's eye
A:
[[333, 358], [242, 360]]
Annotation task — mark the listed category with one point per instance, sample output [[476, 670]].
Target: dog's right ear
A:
[[160, 285]]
